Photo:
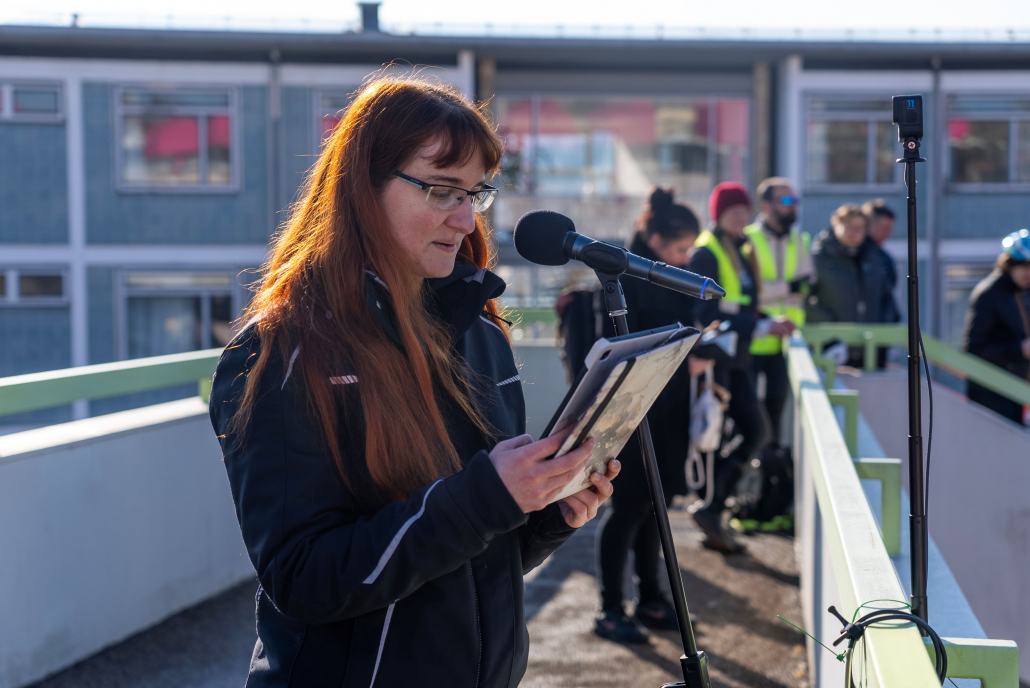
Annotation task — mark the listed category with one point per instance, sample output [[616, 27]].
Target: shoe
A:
[[659, 615], [716, 538], [619, 628]]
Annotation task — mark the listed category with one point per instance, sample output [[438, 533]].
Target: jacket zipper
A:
[[479, 629]]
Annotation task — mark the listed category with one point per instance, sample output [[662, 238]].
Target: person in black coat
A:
[[665, 231], [371, 418], [998, 323]]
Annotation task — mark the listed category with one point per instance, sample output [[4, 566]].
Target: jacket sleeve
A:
[[815, 311], [742, 322], [980, 339], [318, 558], [544, 532]]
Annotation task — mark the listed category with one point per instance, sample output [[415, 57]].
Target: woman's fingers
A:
[[570, 463]]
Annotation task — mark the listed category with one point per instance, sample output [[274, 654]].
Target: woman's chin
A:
[[438, 267]]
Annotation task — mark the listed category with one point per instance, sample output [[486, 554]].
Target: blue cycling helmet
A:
[[1017, 245]]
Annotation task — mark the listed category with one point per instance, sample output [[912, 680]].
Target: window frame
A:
[[123, 292], [120, 110], [7, 113], [871, 118], [1012, 117], [317, 112], [12, 287]]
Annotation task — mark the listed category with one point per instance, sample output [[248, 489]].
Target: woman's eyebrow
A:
[[454, 181]]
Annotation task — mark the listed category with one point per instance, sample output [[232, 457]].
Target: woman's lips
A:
[[449, 248]]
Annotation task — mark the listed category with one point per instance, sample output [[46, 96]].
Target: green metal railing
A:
[[958, 363], [862, 568], [58, 387]]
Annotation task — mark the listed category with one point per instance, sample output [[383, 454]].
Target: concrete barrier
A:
[[107, 526]]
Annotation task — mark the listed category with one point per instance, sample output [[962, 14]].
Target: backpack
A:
[[581, 318]]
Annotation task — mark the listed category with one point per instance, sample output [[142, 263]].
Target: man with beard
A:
[[782, 254]]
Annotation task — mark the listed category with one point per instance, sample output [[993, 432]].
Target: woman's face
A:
[[851, 232], [673, 252], [1021, 275], [734, 219], [429, 236]]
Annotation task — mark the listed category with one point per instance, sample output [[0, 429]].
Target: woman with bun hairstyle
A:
[[372, 422], [665, 231]]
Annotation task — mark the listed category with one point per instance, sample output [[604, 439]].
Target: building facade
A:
[[144, 172]]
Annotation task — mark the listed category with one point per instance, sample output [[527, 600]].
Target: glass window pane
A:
[[326, 126], [850, 105], [39, 285], [221, 320], [178, 280], [979, 151], [837, 152], [36, 101], [956, 305], [176, 98], [731, 129], [989, 104], [1023, 152], [160, 150], [163, 325], [888, 150], [218, 146]]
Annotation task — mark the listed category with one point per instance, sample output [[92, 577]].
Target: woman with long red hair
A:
[[371, 417]]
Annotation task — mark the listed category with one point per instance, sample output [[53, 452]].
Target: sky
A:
[[924, 16]]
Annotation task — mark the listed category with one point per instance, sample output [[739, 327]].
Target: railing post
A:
[[848, 398], [994, 662], [869, 359], [888, 472], [829, 368]]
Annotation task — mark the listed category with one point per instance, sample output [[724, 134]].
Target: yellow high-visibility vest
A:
[[729, 280], [798, 246]]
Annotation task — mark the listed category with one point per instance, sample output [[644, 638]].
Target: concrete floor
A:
[[734, 602]]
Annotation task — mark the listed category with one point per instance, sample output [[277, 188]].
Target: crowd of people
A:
[[776, 279]]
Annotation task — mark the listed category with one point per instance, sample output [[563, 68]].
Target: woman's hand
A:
[[531, 477], [581, 507]]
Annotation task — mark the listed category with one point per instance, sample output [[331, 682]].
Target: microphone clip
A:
[[604, 258]]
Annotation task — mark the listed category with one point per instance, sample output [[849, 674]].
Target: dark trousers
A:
[[777, 385], [1004, 406], [629, 524], [747, 414]]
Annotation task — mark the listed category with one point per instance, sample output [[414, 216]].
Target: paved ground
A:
[[734, 601]]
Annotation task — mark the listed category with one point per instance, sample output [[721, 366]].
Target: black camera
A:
[[908, 115]]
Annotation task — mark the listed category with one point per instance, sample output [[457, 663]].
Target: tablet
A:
[[625, 397]]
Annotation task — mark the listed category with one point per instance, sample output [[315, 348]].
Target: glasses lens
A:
[[444, 197], [789, 200], [482, 200]]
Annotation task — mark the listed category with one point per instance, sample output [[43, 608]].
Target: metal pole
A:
[[917, 517]]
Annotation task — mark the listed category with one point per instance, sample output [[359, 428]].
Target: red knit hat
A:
[[726, 195]]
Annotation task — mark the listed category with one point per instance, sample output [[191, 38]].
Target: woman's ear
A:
[[655, 242]]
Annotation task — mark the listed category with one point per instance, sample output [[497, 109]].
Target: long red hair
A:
[[312, 291]]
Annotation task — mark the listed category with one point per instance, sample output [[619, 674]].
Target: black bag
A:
[[581, 319], [767, 489]]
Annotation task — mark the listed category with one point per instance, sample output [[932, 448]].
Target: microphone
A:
[[545, 237]]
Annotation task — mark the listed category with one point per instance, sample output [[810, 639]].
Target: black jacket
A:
[[356, 590], [741, 321], [848, 287], [995, 327], [890, 313], [649, 307]]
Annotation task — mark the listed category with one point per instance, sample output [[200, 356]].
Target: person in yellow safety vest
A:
[[783, 255], [721, 255]]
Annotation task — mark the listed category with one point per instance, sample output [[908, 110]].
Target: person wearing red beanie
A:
[[723, 254]]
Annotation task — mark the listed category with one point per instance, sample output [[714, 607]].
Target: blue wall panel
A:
[[33, 340], [984, 216], [176, 218], [100, 286], [298, 142], [33, 183]]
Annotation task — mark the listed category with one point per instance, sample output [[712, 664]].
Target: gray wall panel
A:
[[171, 218], [984, 216], [298, 141], [33, 183], [100, 286]]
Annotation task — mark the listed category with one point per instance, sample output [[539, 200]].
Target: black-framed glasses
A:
[[444, 197]]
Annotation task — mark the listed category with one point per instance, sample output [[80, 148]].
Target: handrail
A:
[[959, 363], [57, 387], [862, 569]]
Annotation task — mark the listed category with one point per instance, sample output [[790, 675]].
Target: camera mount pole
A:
[[608, 265], [918, 534]]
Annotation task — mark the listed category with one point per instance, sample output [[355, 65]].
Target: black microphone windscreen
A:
[[540, 237]]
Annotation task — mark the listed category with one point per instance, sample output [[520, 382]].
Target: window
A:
[[176, 139], [989, 140], [329, 109], [32, 287], [174, 312], [959, 281], [30, 102], [850, 141]]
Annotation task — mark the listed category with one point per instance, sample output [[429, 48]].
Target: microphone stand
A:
[[918, 535], [607, 261]]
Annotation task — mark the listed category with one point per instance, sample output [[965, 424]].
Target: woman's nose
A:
[[463, 218]]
